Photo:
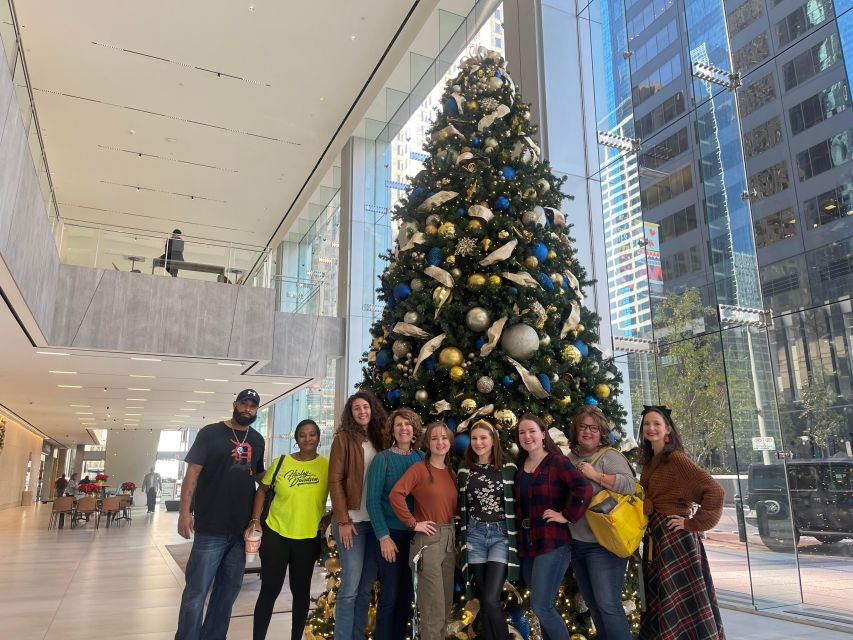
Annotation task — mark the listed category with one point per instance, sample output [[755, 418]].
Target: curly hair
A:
[[406, 414], [377, 419], [549, 444], [598, 415], [497, 458], [674, 444]]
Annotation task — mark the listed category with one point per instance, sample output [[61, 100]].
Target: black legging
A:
[[489, 580], [277, 554]]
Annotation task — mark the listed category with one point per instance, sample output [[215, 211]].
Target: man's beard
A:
[[243, 421]]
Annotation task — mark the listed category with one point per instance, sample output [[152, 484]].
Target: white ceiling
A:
[[231, 104], [183, 392]]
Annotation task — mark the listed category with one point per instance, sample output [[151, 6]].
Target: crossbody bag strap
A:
[[275, 473], [598, 456]]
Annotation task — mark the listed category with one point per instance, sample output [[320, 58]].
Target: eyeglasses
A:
[[587, 427]]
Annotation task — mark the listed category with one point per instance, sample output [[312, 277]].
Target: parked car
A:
[[821, 501]]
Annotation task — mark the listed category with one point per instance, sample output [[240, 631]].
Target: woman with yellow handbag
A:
[[600, 572]]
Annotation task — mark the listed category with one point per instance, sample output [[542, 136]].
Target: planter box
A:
[[172, 505]]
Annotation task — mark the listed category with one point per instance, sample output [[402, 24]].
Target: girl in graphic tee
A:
[[290, 537]]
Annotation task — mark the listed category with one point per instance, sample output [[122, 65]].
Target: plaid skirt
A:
[[680, 600]]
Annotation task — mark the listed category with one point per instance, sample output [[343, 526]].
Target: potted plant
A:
[[90, 489], [128, 488], [101, 479]]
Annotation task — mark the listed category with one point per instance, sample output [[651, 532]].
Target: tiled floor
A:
[[121, 583]]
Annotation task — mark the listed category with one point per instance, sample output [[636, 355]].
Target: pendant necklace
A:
[[240, 448]]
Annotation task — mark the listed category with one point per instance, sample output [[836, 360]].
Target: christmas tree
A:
[[484, 310]]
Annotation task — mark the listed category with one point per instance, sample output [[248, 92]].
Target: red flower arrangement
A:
[[128, 486], [101, 477], [89, 487]]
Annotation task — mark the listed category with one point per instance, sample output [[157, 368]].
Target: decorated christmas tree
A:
[[484, 310]]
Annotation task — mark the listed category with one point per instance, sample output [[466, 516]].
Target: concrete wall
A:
[[28, 257], [130, 454], [21, 446]]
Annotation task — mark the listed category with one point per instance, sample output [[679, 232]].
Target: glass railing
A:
[[311, 296], [165, 255]]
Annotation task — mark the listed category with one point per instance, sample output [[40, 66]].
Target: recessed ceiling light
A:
[[137, 399], [251, 7], [82, 406], [132, 131], [214, 380], [137, 389], [53, 353], [69, 386], [284, 384], [135, 375], [195, 401], [146, 359], [210, 392], [83, 413], [352, 37], [70, 373], [322, 99], [132, 414], [230, 364]]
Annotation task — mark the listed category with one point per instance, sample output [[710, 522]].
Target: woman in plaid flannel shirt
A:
[[549, 492]]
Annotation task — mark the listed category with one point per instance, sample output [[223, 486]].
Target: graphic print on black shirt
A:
[[485, 494], [226, 484]]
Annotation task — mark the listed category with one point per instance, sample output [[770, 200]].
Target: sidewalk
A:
[[755, 626]]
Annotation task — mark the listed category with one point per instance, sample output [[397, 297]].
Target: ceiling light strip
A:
[[140, 154], [191, 196]]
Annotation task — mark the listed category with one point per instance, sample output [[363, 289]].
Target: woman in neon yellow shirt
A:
[[290, 537]]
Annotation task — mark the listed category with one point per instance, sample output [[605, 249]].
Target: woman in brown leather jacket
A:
[[358, 439]]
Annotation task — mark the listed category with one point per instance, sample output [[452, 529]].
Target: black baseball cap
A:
[[249, 394]]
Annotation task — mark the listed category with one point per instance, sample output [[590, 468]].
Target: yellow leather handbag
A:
[[616, 519]]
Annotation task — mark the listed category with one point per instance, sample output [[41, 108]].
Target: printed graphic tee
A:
[[231, 462], [301, 489]]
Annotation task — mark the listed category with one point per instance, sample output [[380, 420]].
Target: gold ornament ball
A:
[[577, 636], [442, 135], [530, 193], [468, 406], [506, 418], [451, 260], [471, 105], [421, 396], [557, 279], [456, 373], [447, 230], [450, 357], [602, 391], [456, 272], [486, 243], [474, 225], [431, 229], [551, 254], [494, 280], [571, 354], [548, 419], [387, 379], [531, 262], [377, 342], [565, 401], [580, 328], [476, 280]]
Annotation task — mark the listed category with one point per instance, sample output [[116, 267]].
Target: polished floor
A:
[[122, 583]]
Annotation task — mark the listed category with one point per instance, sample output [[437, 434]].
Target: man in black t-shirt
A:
[[225, 461]]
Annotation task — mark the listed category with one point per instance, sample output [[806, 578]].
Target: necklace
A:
[[240, 443], [400, 451]]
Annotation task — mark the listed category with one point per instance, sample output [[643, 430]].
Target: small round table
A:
[[134, 260]]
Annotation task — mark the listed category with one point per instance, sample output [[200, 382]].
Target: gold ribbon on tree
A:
[[494, 334], [480, 211], [440, 297], [575, 284], [437, 273], [560, 439], [436, 200], [488, 120], [483, 411], [410, 330], [499, 254], [450, 130], [416, 239], [462, 157], [523, 279], [428, 349], [572, 321], [558, 217], [440, 407], [530, 381]]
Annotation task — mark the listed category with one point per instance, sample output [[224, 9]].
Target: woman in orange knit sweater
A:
[[432, 484], [680, 597]]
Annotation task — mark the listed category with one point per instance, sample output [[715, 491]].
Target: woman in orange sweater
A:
[[432, 484], [676, 574]]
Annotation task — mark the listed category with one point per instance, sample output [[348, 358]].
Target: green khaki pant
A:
[[435, 579]]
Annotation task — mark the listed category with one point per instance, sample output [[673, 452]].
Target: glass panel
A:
[[7, 35], [23, 95]]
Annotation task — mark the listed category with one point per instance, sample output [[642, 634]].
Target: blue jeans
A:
[[217, 559], [358, 573], [601, 576], [543, 575], [487, 542], [396, 592]]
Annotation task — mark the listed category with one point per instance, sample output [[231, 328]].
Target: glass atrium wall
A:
[[725, 134]]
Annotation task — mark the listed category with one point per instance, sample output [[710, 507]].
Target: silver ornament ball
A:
[[477, 319], [417, 284], [421, 396], [485, 384], [400, 348], [411, 317], [545, 340], [520, 341]]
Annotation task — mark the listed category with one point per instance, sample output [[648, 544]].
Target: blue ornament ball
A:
[[591, 401], [519, 622], [612, 439], [402, 291], [383, 359], [502, 202], [565, 282], [430, 363], [545, 281], [581, 346], [540, 251], [434, 256], [480, 343], [461, 442], [394, 396], [498, 73], [507, 172], [450, 107], [391, 303], [417, 191], [475, 141], [451, 423], [545, 381], [460, 212], [513, 290], [508, 381]]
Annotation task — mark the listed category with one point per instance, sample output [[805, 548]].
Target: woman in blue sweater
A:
[[402, 432]]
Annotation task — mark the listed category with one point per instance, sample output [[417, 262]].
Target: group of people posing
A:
[[396, 499]]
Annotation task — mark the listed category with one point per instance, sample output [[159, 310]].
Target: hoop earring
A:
[[666, 439]]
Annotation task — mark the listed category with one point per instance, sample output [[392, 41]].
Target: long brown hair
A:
[[432, 426], [674, 444], [497, 458], [597, 415], [377, 419], [549, 444], [406, 414]]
